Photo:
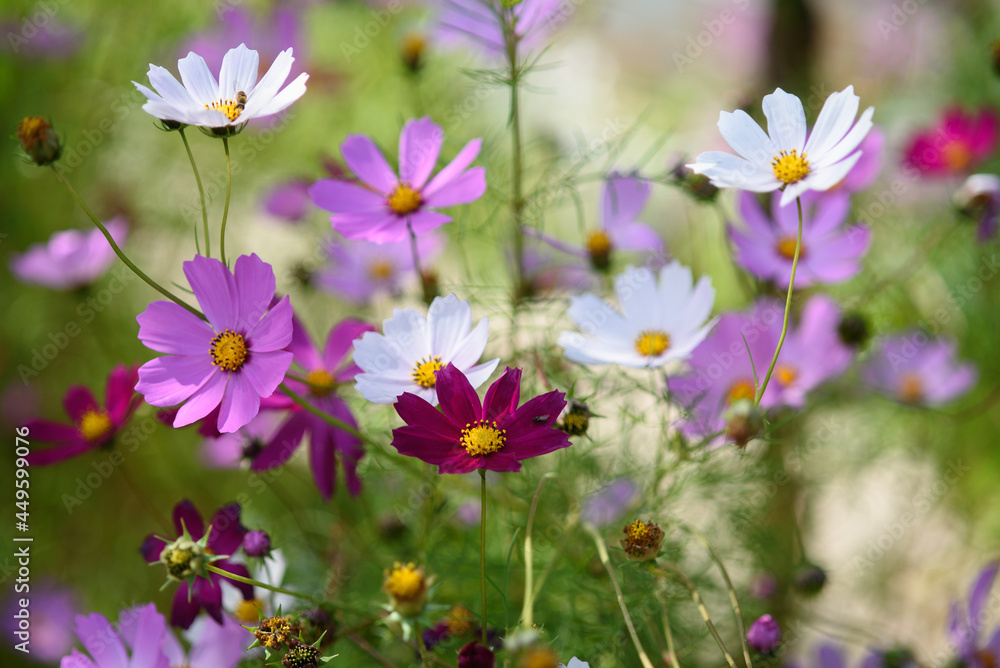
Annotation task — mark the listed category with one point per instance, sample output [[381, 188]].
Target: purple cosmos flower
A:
[[545, 274], [607, 505], [468, 434], [358, 270], [964, 627], [958, 143], [52, 608], [225, 538], [50, 38], [624, 196], [390, 205], [720, 371], [231, 361], [141, 629], [812, 354], [764, 635], [289, 201], [979, 197], [212, 645], [93, 426], [830, 252], [324, 371], [71, 258], [481, 23], [915, 369]]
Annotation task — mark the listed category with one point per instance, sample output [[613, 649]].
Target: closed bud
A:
[[642, 540], [257, 543], [853, 330], [407, 588], [39, 141], [475, 655], [810, 579], [764, 635], [412, 51], [301, 656], [576, 420], [698, 186], [743, 422]]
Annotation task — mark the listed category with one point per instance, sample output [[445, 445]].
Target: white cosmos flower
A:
[[205, 102], [411, 348], [783, 158], [662, 321], [575, 663]]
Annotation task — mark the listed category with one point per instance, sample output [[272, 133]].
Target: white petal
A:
[[729, 171], [169, 88], [448, 321], [284, 99], [848, 144], [825, 178], [639, 298], [197, 78], [268, 86], [238, 72], [381, 390], [786, 120], [746, 137], [589, 350], [593, 315], [468, 351], [378, 356], [673, 293], [406, 333], [835, 119], [698, 307], [479, 374]]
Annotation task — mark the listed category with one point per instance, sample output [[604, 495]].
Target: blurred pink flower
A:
[[71, 258]]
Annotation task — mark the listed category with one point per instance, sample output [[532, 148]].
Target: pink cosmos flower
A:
[[52, 609], [466, 434], [480, 22], [384, 206], [71, 258], [358, 270], [830, 252], [289, 201], [93, 426], [914, 369], [956, 145], [231, 361], [141, 630], [324, 371], [967, 626], [225, 538]]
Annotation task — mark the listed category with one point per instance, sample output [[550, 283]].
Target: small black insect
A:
[[540, 419]]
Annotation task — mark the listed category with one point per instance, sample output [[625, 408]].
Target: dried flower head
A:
[[642, 540], [39, 140]]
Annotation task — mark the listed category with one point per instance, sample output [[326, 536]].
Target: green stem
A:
[[673, 572], [424, 287], [256, 583], [668, 633], [602, 551], [420, 645], [527, 612], [225, 208], [118, 251], [201, 193], [482, 548], [517, 163], [331, 420], [788, 306]]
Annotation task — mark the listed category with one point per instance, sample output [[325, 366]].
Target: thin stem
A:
[[363, 644], [669, 634], [602, 551], [331, 420], [424, 287], [257, 583], [788, 306], [225, 208], [482, 549], [201, 194], [118, 251], [420, 645], [517, 161], [673, 572], [527, 612]]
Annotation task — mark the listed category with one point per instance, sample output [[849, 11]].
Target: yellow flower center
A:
[[956, 155], [94, 425], [642, 539], [404, 200], [482, 437], [380, 269], [741, 389], [786, 248], [789, 167], [321, 382], [911, 388], [423, 371], [405, 583], [599, 249], [229, 350], [786, 375], [541, 657], [231, 107], [247, 611], [652, 342]]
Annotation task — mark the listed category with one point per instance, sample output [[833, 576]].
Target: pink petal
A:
[[425, 220], [79, 400], [58, 454], [186, 516], [344, 197], [120, 392], [283, 443], [274, 331], [204, 400], [166, 327], [420, 414], [265, 371], [255, 284], [215, 288], [457, 398], [454, 168], [184, 608], [101, 641], [169, 380], [503, 395], [240, 403], [45, 431], [465, 188], [341, 340], [367, 162], [419, 146]]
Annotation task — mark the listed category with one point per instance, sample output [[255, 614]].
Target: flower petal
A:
[[746, 137], [458, 400], [238, 73], [169, 380], [240, 403], [464, 188], [454, 168], [101, 641], [198, 79], [419, 146], [367, 162], [255, 285], [167, 327], [215, 289], [786, 121], [344, 197], [503, 396], [204, 400]]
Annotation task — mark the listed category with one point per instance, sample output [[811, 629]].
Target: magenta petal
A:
[[209, 594], [184, 608], [215, 288], [283, 443], [378, 227], [454, 168], [419, 146], [265, 371], [418, 412], [463, 463], [456, 396], [416, 442], [302, 348], [187, 516], [426, 220], [536, 416], [322, 460], [240, 402], [501, 462], [204, 401], [227, 533], [58, 454], [44, 431], [503, 395], [255, 285], [367, 162], [79, 400], [169, 380], [120, 392], [468, 187], [168, 328], [151, 548], [341, 340], [344, 197], [274, 331]]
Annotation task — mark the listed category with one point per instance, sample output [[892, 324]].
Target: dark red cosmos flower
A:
[[225, 538], [93, 425], [466, 435]]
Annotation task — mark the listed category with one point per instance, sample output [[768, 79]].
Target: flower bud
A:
[[577, 419], [698, 186], [642, 540], [314, 623], [853, 330], [301, 656], [539, 657], [407, 587], [809, 579], [764, 635], [474, 655], [743, 422], [257, 543], [412, 50], [184, 559], [39, 140]]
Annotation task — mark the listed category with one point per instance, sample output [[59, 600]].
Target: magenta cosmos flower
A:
[[231, 361], [467, 434], [915, 369], [956, 144], [93, 425], [71, 258], [324, 371], [830, 253], [225, 538], [135, 642], [385, 206]]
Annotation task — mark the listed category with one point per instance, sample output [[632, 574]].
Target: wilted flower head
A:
[[642, 540], [743, 422], [474, 655], [38, 140], [70, 258]]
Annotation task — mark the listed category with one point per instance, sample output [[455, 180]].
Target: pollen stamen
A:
[[231, 108], [789, 167], [482, 437], [405, 200], [652, 342], [424, 371], [94, 424], [229, 350]]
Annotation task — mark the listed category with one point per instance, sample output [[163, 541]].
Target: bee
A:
[[540, 419], [241, 100]]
